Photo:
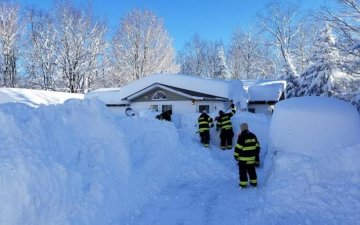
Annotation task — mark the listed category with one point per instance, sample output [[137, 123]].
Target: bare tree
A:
[[142, 46], [200, 57], [192, 58], [9, 36], [249, 57], [282, 23], [40, 55], [80, 47]]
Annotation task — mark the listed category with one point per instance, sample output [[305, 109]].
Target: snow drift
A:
[[302, 124], [315, 171], [35, 97], [75, 163]]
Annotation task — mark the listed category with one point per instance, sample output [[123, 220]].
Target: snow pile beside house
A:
[[63, 164], [77, 164], [300, 124], [35, 97], [316, 147]]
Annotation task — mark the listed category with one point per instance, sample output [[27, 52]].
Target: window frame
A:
[[159, 96]]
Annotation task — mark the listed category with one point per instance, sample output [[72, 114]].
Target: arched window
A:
[[159, 95]]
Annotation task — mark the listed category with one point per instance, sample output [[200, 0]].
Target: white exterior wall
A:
[[214, 107], [180, 107], [177, 106], [262, 108]]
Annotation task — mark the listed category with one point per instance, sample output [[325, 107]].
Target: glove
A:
[[232, 105], [212, 125]]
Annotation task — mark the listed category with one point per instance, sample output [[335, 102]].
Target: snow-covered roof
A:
[[226, 89], [264, 90]]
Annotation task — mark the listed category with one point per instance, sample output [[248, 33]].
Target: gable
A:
[[149, 96], [171, 94]]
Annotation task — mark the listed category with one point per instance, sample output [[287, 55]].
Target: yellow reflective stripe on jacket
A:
[[249, 148], [227, 127], [252, 158], [250, 140], [203, 122], [236, 154], [203, 129]]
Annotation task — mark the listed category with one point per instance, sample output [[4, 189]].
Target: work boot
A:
[[243, 184]]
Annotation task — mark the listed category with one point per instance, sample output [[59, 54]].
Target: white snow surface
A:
[[228, 89], [75, 163], [264, 90], [35, 97]]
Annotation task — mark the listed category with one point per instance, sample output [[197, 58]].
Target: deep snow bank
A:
[[78, 164], [60, 164], [315, 176], [35, 97], [300, 124]]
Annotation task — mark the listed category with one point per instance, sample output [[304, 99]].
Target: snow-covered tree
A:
[[282, 23], [199, 57], [356, 101], [323, 77], [248, 58], [192, 58], [80, 47], [9, 36], [142, 46], [221, 69], [39, 54], [292, 81]]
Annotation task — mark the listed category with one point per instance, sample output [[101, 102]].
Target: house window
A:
[[154, 108], [165, 108], [252, 110], [159, 95], [204, 108]]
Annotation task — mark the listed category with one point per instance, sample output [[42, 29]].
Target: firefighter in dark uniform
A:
[[205, 122], [165, 115], [245, 152], [224, 125]]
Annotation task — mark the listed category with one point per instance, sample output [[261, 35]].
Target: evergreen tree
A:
[[292, 83], [323, 77], [221, 69], [356, 101]]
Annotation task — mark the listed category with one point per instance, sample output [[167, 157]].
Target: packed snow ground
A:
[[75, 163]]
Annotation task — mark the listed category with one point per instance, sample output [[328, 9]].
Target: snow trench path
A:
[[215, 199]]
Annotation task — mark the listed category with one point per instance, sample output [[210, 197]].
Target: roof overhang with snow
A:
[[265, 91], [182, 92], [186, 85]]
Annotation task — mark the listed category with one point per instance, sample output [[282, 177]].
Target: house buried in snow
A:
[[179, 93], [264, 94]]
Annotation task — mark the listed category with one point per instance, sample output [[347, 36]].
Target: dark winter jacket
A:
[[205, 122], [165, 115], [224, 121], [247, 147]]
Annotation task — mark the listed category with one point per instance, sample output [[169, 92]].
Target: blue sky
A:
[[211, 19]]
